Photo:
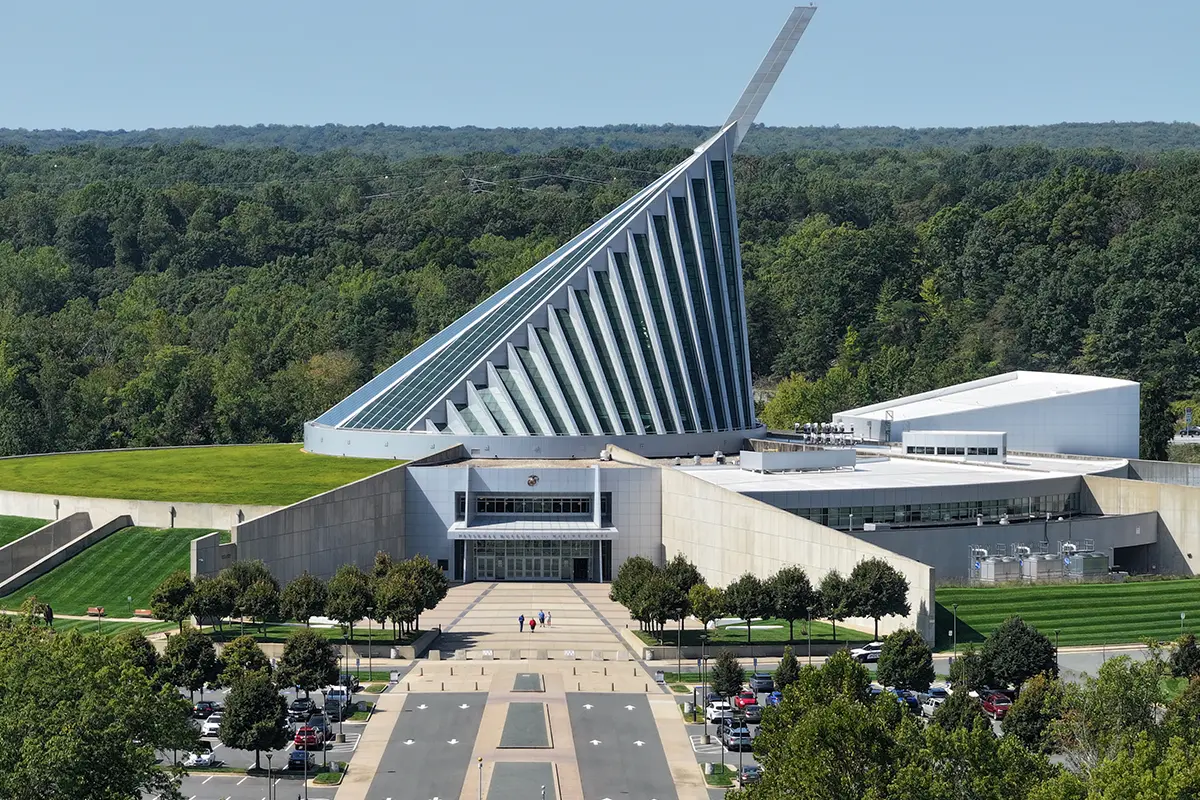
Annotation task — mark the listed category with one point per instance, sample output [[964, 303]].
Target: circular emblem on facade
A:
[[532, 480]]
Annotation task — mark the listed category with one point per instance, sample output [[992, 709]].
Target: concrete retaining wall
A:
[[151, 513], [1178, 507], [63, 553], [19, 554], [726, 534], [209, 556], [346, 525]]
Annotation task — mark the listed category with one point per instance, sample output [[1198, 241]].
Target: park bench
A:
[[96, 611], [144, 613]]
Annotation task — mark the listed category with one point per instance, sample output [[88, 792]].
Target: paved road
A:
[[430, 750], [240, 787], [618, 749]]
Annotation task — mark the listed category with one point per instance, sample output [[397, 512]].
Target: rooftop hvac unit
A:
[[696, 460], [1042, 566], [719, 457], [605, 455], [676, 461]]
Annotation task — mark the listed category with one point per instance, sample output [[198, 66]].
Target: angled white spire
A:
[[751, 101]]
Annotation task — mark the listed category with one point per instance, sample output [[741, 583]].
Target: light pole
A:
[[481, 778], [954, 634], [268, 776], [341, 737], [852, 522], [679, 652], [704, 678], [370, 647], [306, 757], [1056, 649], [808, 628], [1182, 614]]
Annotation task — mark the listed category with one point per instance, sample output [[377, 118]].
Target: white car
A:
[[930, 705], [867, 653], [200, 759], [212, 725], [718, 711]]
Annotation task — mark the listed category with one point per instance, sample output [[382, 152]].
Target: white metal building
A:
[[1040, 412]]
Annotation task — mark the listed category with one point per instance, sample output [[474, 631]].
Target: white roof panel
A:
[[999, 390]]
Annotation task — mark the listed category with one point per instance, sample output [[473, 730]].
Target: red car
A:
[[309, 737], [996, 705], [745, 698]]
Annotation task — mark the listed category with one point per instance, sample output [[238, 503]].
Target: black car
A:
[[762, 682], [336, 710], [348, 680], [752, 712], [301, 709], [206, 708], [301, 761]]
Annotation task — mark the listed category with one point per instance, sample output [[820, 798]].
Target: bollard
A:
[[481, 670], [635, 670], [647, 687], [613, 687], [422, 672], [407, 687], [452, 672], [606, 670], [443, 686], [573, 672], [477, 686], [578, 686]]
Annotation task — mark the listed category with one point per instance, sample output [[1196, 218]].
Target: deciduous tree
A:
[[748, 599], [833, 598], [255, 716], [172, 599], [241, 656], [349, 596], [877, 589], [1016, 651], [309, 661], [190, 660], [728, 676], [905, 661], [303, 598], [792, 595]]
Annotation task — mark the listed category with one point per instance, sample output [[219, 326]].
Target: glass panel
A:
[[519, 399], [682, 318], [614, 320], [726, 222], [659, 311], [543, 391], [643, 336], [606, 364], [696, 289], [563, 379], [712, 270]]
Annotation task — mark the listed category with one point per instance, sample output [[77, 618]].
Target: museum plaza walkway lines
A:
[[610, 731]]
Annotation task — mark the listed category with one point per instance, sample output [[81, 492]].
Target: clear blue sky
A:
[[149, 63]]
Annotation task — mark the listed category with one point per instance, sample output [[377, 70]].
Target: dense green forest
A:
[[400, 142], [186, 294]]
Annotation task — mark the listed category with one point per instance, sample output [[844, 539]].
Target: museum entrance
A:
[[532, 560]]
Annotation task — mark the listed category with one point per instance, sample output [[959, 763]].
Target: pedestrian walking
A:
[[532, 625], [541, 618], [521, 620], [547, 617]]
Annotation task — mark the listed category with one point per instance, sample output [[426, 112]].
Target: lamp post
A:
[[1056, 649], [306, 757], [954, 633], [1182, 614], [808, 629], [268, 776], [704, 678], [851, 521], [481, 778], [370, 646]]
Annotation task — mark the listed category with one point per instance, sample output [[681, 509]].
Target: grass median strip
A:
[[764, 631]]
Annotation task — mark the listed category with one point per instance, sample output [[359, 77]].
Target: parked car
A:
[[762, 682], [929, 705], [202, 756], [938, 691], [713, 697], [299, 760], [301, 709], [752, 712], [909, 699], [750, 773], [321, 723], [212, 725], [774, 698], [718, 711], [336, 710], [309, 737], [736, 738], [348, 680], [745, 698], [206, 708], [867, 653], [996, 705]]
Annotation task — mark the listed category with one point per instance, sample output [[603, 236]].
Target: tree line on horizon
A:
[[403, 142], [186, 294]]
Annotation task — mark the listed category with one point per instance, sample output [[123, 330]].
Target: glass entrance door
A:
[[532, 560]]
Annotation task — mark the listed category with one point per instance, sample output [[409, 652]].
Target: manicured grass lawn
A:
[[721, 777], [270, 475], [767, 631], [1084, 614], [278, 634], [129, 563], [110, 628], [13, 528]]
